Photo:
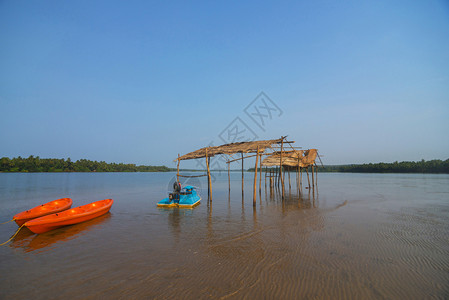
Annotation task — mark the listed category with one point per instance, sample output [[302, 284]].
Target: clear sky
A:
[[141, 81]]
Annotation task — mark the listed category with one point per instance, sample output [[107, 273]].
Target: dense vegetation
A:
[[36, 164], [430, 166]]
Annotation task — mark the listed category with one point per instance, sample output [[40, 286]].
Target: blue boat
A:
[[186, 197]]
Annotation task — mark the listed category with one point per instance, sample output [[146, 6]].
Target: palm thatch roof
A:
[[230, 149], [296, 158]]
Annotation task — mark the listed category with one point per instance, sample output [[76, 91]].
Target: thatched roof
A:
[[301, 158], [229, 149]]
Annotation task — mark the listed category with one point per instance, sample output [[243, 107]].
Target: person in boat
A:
[[176, 191]]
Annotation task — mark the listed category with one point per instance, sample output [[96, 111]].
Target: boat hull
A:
[[70, 217], [184, 201], [45, 209]]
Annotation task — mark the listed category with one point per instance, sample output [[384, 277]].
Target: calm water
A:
[[359, 236]]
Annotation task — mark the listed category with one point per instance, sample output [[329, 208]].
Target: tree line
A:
[[423, 166], [37, 164]]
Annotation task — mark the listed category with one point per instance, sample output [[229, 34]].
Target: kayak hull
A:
[[70, 217], [48, 208]]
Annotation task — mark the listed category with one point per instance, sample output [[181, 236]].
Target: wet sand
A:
[[359, 236]]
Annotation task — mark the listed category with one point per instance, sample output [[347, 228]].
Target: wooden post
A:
[[308, 179], [242, 175], [209, 185], [313, 177], [229, 177], [316, 175], [275, 172], [289, 182], [177, 173], [280, 168], [255, 178], [265, 177], [260, 174]]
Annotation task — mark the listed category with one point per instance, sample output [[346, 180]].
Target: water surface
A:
[[364, 236]]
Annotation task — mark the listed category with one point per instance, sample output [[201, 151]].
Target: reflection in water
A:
[[28, 241]]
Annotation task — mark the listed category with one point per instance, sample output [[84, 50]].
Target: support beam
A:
[[255, 178], [280, 168], [308, 179], [242, 176], [260, 173], [313, 177], [265, 177], [209, 185], [229, 178], [177, 173]]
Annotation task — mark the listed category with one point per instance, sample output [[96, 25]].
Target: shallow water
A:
[[362, 236]]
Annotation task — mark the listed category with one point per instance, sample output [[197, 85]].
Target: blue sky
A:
[[141, 81]]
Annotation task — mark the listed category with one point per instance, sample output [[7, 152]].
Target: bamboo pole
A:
[[242, 176], [260, 173], [276, 177], [229, 178], [280, 168], [177, 173], [209, 186], [265, 177], [298, 178], [255, 178], [308, 179], [241, 158], [313, 177]]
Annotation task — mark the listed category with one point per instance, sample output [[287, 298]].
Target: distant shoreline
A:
[[52, 165]]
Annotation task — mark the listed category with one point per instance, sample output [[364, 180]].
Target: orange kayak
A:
[[43, 210], [69, 217]]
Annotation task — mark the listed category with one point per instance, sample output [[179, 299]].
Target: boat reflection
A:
[[28, 241]]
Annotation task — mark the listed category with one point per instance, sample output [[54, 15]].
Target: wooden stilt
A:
[[277, 177], [255, 178], [313, 177], [280, 168], [209, 186], [229, 177], [308, 179], [289, 182], [242, 176], [298, 171], [316, 175], [260, 173], [177, 172], [265, 177]]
